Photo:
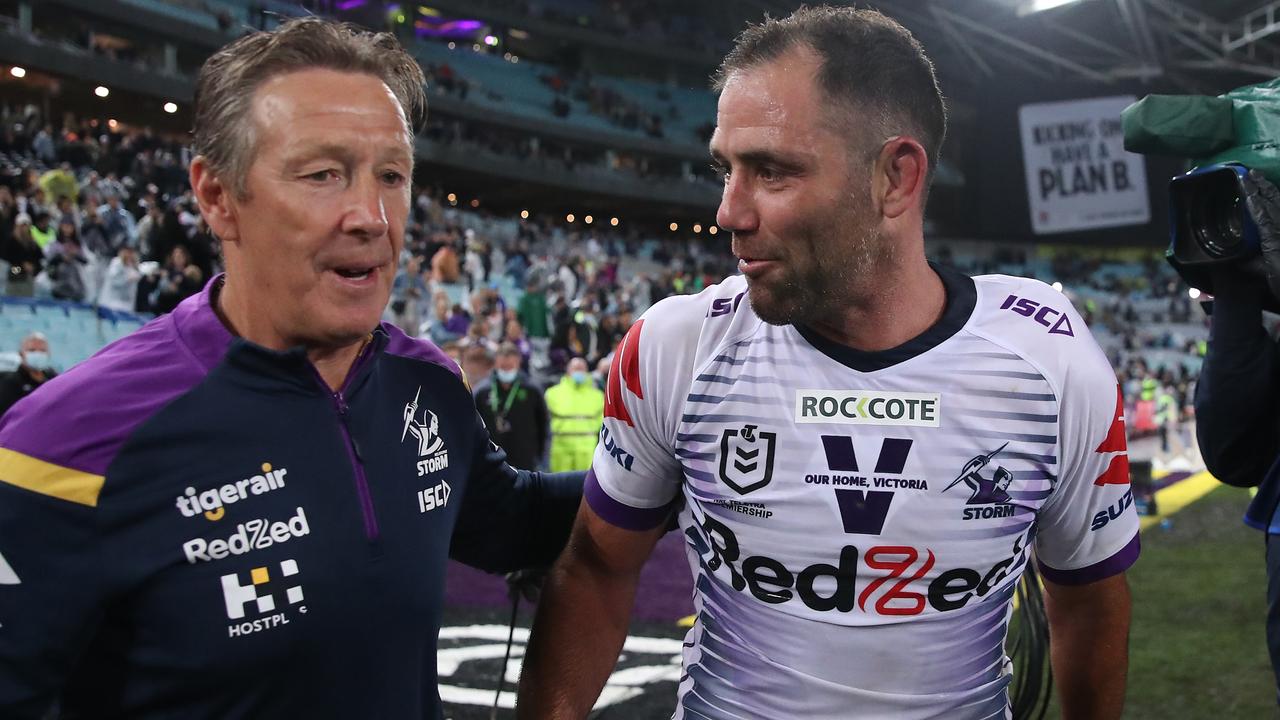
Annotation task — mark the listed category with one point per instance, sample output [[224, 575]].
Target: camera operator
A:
[[1237, 414]]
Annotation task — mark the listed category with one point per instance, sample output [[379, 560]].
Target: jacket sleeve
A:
[[512, 519], [1237, 423], [51, 586]]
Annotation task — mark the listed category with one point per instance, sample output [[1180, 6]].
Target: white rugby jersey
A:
[[857, 521]]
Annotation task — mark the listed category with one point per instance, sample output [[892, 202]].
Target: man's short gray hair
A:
[[223, 131]]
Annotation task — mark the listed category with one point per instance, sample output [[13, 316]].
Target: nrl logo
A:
[[742, 466]]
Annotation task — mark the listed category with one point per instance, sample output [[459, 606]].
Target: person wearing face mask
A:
[[36, 369], [577, 410], [514, 410]]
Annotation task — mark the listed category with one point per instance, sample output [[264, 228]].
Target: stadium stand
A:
[[535, 129]]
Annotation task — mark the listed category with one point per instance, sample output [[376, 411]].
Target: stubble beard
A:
[[831, 280]]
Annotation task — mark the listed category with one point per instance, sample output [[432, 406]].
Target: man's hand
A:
[[1089, 646], [1263, 200], [582, 619]]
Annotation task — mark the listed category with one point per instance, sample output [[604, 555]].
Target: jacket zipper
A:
[[353, 447]]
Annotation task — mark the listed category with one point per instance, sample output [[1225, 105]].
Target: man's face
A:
[[797, 196], [317, 239], [507, 362], [34, 345]]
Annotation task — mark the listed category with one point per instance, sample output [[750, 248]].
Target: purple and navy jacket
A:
[[193, 526]]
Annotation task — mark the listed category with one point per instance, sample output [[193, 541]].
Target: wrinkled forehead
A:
[[36, 344], [772, 106], [313, 106]]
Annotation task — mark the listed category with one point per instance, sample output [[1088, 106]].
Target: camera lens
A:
[[1215, 219]]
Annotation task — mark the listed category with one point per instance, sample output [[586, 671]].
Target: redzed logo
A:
[[1117, 473], [624, 371]]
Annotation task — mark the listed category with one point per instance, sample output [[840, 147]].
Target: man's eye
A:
[[720, 171], [392, 177], [769, 174], [321, 176]]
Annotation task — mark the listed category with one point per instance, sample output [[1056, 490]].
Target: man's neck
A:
[[332, 363], [907, 300]]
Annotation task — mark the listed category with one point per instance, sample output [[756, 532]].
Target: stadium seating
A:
[[75, 331]]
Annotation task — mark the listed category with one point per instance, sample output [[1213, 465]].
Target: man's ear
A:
[[901, 170], [216, 199]]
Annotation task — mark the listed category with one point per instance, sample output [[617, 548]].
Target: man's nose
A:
[[737, 211], [366, 212]]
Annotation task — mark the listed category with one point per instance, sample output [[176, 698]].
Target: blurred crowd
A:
[[101, 215], [94, 213]]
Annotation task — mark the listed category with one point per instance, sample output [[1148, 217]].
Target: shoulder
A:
[[78, 421], [1039, 323], [402, 345], [707, 318]]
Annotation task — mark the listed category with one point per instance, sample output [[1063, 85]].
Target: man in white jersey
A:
[[869, 449]]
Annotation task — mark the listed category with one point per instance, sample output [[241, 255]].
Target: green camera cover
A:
[[1240, 126]]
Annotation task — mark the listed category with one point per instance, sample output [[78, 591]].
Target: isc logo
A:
[[434, 497], [1042, 314]]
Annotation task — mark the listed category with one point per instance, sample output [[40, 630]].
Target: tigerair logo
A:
[[212, 502], [868, 407], [258, 597]]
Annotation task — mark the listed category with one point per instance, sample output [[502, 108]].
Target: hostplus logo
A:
[[425, 429], [864, 499], [247, 602], [212, 502], [989, 492]]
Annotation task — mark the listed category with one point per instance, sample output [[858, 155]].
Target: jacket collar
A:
[[211, 343]]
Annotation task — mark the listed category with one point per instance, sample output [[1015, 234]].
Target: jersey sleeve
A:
[[635, 476], [1088, 528]]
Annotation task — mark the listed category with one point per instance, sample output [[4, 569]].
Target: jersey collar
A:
[[962, 297]]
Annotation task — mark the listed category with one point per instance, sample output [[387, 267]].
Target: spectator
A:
[[118, 223], [149, 229], [120, 288], [514, 334], [35, 370], [444, 266], [477, 362], [42, 230], [514, 410], [43, 147], [93, 234], [532, 311], [67, 266], [577, 410], [25, 257], [179, 280]]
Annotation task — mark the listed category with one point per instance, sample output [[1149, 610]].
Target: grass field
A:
[[1197, 649]]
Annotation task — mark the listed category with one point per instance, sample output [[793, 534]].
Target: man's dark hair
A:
[[874, 71]]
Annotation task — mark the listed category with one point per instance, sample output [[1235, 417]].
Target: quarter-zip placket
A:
[[353, 446]]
